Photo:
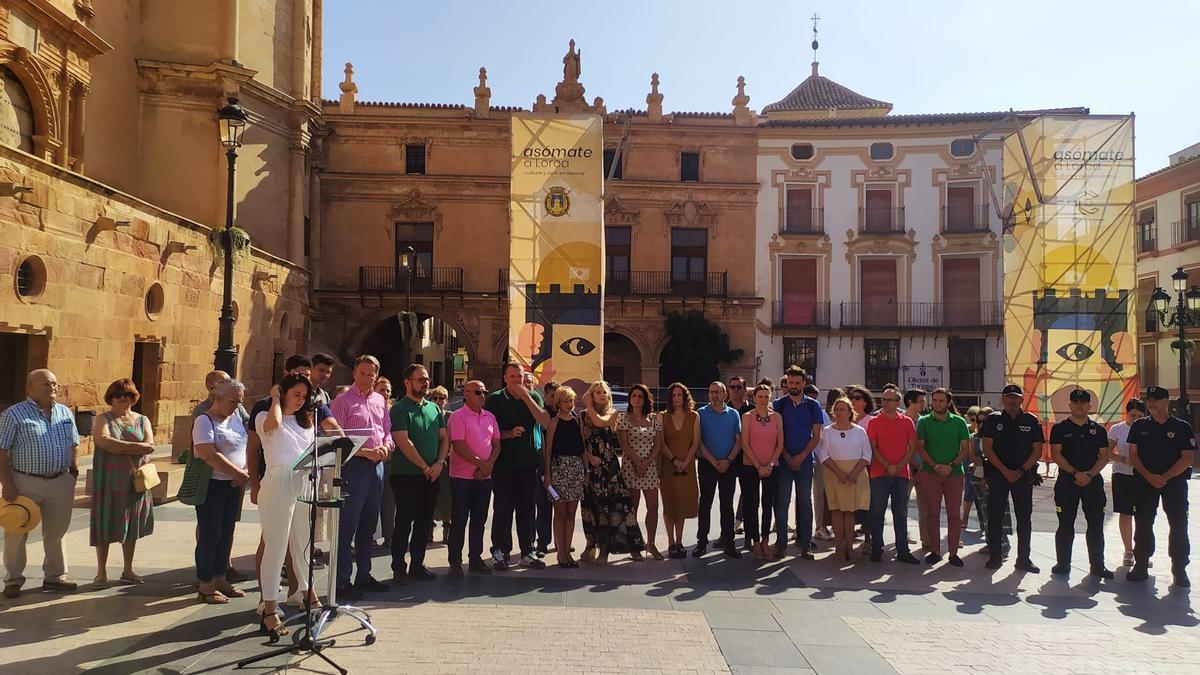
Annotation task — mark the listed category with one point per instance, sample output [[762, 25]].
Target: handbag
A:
[[193, 489], [145, 477]]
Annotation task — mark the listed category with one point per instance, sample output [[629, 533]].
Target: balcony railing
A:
[[1187, 229], [881, 219], [384, 279], [988, 314], [707, 284], [966, 219], [1147, 237], [803, 314], [801, 221]]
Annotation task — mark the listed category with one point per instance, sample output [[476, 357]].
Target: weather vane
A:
[[815, 18]]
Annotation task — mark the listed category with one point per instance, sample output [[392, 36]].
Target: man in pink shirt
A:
[[361, 408], [475, 439], [893, 440]]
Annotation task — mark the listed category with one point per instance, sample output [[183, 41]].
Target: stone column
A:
[[314, 223], [229, 46], [300, 66], [295, 229], [318, 33]]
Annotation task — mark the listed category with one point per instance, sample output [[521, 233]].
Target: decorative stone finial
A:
[[741, 114], [654, 100], [568, 95], [483, 96], [598, 105], [349, 89], [540, 104]]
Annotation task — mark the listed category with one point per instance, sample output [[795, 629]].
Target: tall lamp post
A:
[[1187, 304], [232, 118], [408, 260]]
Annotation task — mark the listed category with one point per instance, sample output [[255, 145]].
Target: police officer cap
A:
[[1012, 390], [1081, 396], [1156, 394]]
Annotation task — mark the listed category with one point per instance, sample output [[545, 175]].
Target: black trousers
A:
[[415, 498], [514, 492], [710, 483], [543, 520], [469, 504], [1067, 498], [1174, 496], [757, 523], [999, 490]]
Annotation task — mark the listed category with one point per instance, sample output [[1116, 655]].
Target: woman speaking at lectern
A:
[[287, 431]]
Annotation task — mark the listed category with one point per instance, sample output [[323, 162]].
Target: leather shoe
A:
[[955, 561], [420, 573], [1138, 573], [993, 563], [908, 558], [479, 567], [372, 585], [731, 551], [701, 549], [1061, 569], [456, 571], [1102, 572], [12, 591], [1026, 565], [59, 586], [348, 592], [1181, 579]]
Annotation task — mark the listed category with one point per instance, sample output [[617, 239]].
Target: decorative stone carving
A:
[[741, 113], [965, 243], [690, 213], [616, 213], [819, 243], [875, 244], [654, 101], [598, 106], [540, 105], [415, 208], [84, 11], [349, 91], [483, 96], [568, 95]]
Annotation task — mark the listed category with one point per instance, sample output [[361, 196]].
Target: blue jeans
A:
[[896, 489], [802, 481], [215, 519], [359, 515]]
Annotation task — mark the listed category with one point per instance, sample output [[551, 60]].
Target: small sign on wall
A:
[[922, 377]]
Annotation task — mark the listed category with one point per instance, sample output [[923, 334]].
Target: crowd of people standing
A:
[[538, 457]]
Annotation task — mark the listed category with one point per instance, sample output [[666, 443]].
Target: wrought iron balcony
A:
[[801, 221], [384, 279], [989, 314], [881, 219], [966, 219], [1187, 229], [706, 284], [803, 314]]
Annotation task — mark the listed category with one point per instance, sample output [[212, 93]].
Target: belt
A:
[[44, 476]]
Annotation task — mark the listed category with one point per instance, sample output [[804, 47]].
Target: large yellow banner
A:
[[1069, 254], [556, 216]]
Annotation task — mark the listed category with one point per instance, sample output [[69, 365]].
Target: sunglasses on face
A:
[[125, 394], [478, 392], [736, 387], [438, 398], [856, 398]]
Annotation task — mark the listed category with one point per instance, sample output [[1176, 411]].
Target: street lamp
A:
[[1186, 315], [232, 120], [408, 261]]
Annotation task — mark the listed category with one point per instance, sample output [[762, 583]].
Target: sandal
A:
[[636, 556], [588, 553], [654, 552], [100, 581], [232, 592], [214, 598], [275, 631], [131, 579]]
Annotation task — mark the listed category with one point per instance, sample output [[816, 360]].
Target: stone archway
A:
[[622, 360]]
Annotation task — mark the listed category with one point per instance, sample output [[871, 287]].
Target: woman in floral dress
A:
[[640, 433], [123, 441], [609, 519]]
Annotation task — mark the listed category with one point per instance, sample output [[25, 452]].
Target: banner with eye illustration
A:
[[1069, 254], [556, 217]]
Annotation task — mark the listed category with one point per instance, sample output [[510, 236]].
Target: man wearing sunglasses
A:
[[475, 439]]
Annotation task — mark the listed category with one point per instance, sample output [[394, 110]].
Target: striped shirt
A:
[[354, 411], [36, 444]]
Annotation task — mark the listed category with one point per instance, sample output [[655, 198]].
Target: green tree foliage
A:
[[695, 349]]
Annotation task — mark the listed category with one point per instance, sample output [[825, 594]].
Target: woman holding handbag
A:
[[219, 440], [287, 431], [121, 513]]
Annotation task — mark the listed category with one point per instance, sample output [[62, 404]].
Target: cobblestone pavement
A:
[[699, 615]]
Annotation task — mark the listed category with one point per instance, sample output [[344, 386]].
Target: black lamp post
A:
[[232, 118], [1187, 303], [408, 260]]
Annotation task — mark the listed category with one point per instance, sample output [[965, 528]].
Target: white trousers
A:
[[284, 521]]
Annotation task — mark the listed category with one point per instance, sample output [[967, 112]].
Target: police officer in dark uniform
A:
[[1080, 448], [1161, 449], [1012, 446]]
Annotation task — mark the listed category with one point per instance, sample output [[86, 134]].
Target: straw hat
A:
[[20, 516]]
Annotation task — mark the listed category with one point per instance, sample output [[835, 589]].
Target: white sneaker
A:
[[499, 560]]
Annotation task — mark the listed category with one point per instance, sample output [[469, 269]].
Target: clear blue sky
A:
[[944, 56]]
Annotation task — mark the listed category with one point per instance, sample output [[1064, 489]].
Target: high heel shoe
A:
[[274, 631], [654, 552]]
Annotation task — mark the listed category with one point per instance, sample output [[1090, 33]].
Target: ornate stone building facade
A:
[[679, 217]]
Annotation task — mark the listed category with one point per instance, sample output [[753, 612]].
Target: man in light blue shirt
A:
[[720, 443]]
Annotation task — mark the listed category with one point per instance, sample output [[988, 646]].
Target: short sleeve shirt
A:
[[798, 421], [228, 436], [37, 443], [943, 440], [422, 421], [510, 412], [1159, 446], [477, 429], [1012, 438], [1081, 445], [1119, 433], [892, 437], [719, 430]]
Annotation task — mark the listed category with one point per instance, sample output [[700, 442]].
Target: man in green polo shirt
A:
[[943, 441], [515, 481], [423, 445]]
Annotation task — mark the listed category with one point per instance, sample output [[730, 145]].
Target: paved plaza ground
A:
[[710, 615]]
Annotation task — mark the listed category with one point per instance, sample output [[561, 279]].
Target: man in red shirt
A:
[[893, 441]]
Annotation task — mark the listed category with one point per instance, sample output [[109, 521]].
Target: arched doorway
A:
[[622, 360], [427, 340]]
